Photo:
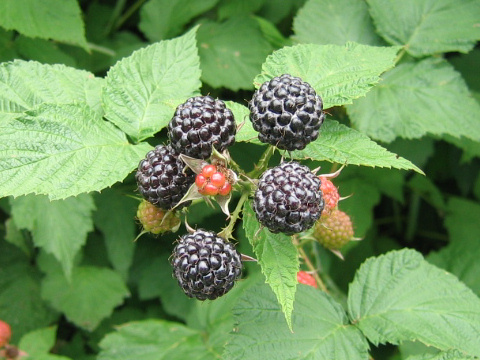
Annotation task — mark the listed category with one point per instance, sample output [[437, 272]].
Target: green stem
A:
[[101, 49], [412, 216], [130, 11], [117, 10], [309, 264], [400, 55], [227, 232], [262, 163]]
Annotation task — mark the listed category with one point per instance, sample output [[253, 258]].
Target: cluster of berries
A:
[[213, 180], [205, 265], [289, 198]]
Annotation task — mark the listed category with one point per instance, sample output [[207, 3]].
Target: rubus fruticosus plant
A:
[[248, 199]]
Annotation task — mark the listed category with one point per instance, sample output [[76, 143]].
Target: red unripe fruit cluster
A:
[[5, 333], [330, 195], [305, 278], [212, 182]]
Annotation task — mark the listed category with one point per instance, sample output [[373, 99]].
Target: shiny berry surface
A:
[[288, 198], [205, 265], [199, 125]]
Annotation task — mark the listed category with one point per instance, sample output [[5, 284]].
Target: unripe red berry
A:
[[330, 195], [225, 189], [210, 190], [305, 278], [5, 333], [200, 181], [217, 179], [209, 170]]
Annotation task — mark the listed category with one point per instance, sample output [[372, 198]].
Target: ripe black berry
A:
[[161, 178], [286, 112], [205, 265], [288, 198], [200, 124]]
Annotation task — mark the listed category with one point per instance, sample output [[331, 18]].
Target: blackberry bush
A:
[[199, 124], [288, 198], [162, 178], [286, 112], [205, 265]]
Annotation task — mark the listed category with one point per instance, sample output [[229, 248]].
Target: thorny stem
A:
[[309, 264], [101, 49], [262, 163], [227, 232]]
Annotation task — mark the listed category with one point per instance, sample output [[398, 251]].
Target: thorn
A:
[[334, 174], [239, 126], [188, 227], [345, 197], [338, 253], [356, 239], [316, 170], [247, 258]]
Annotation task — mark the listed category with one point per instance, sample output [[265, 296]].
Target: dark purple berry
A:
[[200, 124], [288, 198], [205, 265], [162, 179], [286, 112]]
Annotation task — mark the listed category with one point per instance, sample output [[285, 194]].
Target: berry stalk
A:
[[309, 264], [228, 230]]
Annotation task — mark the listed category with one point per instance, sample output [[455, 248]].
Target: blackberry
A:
[[288, 198], [205, 265], [286, 112], [200, 124], [161, 178]]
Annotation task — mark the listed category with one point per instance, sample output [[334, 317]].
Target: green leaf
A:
[[461, 256], [335, 22], [278, 258], [63, 150], [46, 19], [464, 64], [59, 227], [43, 51], [428, 190], [155, 280], [415, 99], [115, 218], [38, 342], [341, 144], [359, 206], [338, 74], [241, 115], [232, 52], [88, 298], [448, 355], [236, 8], [163, 19], [14, 236], [155, 340], [24, 85], [7, 47], [20, 303], [425, 27], [320, 329], [139, 89], [399, 296]]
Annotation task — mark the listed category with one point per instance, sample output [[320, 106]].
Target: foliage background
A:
[[69, 271]]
